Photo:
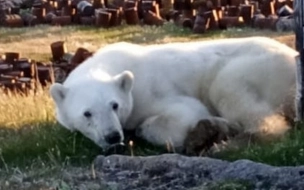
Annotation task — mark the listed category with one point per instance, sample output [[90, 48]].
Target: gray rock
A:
[[285, 24], [173, 171], [16, 179], [167, 172]]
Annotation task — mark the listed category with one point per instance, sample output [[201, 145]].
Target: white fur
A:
[[244, 80]]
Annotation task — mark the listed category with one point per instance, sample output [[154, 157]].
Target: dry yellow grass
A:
[[20, 111], [35, 42]]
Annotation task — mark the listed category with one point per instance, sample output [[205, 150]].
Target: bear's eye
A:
[[115, 106], [87, 114]]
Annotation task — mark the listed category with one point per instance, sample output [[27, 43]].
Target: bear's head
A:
[[96, 108]]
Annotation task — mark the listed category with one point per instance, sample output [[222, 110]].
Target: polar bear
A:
[[163, 90]]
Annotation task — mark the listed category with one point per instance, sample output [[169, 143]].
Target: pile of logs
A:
[[199, 15], [64, 62], [202, 15], [85, 12], [22, 75]]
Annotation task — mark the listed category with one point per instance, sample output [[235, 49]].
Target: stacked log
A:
[[64, 62], [17, 74], [2, 11]]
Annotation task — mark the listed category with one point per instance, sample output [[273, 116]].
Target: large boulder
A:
[[164, 172], [173, 171]]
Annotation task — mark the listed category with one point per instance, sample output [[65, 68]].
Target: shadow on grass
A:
[[288, 151], [44, 144], [49, 145]]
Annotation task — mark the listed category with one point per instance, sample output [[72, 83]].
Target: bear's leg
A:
[[172, 121], [207, 133]]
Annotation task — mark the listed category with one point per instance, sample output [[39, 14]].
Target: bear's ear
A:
[[58, 92], [125, 80]]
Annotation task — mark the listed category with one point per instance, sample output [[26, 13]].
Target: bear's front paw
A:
[[207, 133]]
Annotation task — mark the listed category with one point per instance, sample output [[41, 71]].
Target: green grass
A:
[[31, 139], [288, 151], [30, 136]]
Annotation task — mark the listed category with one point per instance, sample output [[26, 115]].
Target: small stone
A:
[[27, 185], [16, 179], [66, 176], [93, 186], [83, 187], [285, 24]]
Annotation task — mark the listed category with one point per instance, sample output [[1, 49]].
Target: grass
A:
[[35, 42], [288, 151], [32, 140], [30, 135]]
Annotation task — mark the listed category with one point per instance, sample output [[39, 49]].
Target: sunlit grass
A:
[[20, 110], [35, 42]]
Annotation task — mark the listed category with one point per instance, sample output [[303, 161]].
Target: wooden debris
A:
[[217, 14]]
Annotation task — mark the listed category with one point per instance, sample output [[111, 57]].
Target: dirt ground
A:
[[288, 40]]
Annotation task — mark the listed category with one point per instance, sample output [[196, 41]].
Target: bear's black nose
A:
[[113, 138]]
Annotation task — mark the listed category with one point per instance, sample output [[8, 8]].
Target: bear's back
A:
[[116, 57]]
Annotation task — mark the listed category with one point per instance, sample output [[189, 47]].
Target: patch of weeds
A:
[[45, 143], [288, 151]]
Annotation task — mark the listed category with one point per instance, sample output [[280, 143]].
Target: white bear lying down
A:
[[164, 90]]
